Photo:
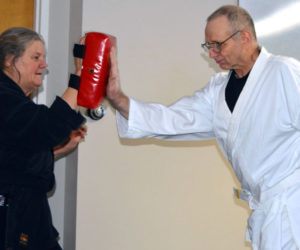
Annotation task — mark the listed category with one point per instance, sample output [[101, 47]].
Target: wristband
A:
[[74, 81], [79, 50]]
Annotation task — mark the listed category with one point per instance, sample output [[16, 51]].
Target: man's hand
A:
[[114, 93]]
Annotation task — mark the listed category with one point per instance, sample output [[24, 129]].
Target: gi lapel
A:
[[243, 100]]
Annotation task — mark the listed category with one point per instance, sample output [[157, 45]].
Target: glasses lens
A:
[[204, 47], [215, 47]]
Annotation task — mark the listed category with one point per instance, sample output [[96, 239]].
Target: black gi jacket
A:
[[28, 133]]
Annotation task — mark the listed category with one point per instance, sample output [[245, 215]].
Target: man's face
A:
[[218, 30]]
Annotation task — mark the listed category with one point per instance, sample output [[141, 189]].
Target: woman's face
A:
[[30, 66]]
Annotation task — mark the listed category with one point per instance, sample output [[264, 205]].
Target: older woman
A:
[[28, 135]]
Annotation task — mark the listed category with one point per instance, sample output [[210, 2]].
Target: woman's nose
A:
[[44, 64]]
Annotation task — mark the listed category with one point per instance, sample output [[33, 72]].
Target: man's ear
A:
[[246, 36]]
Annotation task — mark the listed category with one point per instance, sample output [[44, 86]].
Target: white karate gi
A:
[[261, 139]]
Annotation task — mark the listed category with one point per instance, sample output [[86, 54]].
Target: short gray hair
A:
[[14, 41], [238, 18]]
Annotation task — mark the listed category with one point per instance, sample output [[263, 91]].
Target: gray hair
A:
[[14, 41], [238, 18]]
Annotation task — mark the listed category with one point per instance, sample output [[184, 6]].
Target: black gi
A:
[[28, 133]]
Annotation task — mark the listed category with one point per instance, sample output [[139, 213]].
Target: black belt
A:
[[23, 180]]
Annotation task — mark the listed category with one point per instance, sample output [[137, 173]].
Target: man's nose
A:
[[212, 53]]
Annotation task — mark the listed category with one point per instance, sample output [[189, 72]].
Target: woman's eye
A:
[[36, 58]]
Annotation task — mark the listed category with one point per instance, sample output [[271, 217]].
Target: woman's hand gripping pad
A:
[[95, 69]]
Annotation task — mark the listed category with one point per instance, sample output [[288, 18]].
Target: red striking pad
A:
[[95, 69]]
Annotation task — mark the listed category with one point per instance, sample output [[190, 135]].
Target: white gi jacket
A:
[[261, 138]]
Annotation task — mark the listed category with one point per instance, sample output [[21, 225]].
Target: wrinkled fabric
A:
[[260, 138], [28, 132], [273, 224], [29, 222]]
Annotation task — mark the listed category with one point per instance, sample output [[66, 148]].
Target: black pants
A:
[[3, 219], [56, 248]]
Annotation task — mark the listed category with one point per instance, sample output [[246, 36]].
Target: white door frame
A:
[[41, 25]]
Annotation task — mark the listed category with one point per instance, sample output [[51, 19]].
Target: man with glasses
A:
[[253, 111]]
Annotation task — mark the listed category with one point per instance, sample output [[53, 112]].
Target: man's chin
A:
[[224, 67]]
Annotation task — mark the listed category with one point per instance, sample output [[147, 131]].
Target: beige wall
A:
[[149, 194]]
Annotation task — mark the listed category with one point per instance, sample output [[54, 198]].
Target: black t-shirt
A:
[[233, 89]]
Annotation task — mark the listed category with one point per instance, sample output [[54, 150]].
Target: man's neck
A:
[[249, 62]]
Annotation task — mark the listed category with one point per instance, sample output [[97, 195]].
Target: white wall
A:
[[148, 194]]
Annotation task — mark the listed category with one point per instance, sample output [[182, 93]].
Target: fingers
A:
[[113, 59], [113, 41], [82, 40], [79, 134], [83, 129], [114, 71]]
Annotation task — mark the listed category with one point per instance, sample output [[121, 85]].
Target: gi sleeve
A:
[[37, 126], [190, 118]]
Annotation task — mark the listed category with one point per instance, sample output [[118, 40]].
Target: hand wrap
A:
[[74, 81]]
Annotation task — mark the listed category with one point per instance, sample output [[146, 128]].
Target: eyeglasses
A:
[[216, 46]]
